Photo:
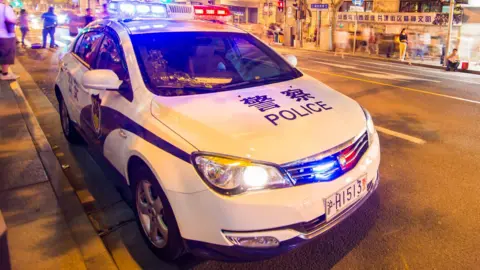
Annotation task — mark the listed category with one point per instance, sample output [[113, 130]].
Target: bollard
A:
[[4, 255]]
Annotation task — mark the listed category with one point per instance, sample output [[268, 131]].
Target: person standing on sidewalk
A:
[[7, 40], [403, 44], [49, 25], [88, 16], [23, 22]]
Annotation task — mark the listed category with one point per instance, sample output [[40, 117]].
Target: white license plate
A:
[[345, 197]]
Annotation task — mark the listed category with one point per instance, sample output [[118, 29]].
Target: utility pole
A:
[[450, 27]]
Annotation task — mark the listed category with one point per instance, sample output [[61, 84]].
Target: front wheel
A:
[[155, 216]]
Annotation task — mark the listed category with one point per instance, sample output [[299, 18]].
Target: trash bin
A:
[[464, 65]]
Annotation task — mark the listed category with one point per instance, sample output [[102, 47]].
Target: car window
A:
[[87, 47], [109, 57], [185, 63]]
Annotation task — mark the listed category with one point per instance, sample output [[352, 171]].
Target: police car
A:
[[230, 151]]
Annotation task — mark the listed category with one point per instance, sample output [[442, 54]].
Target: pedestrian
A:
[[7, 40], [23, 22], [372, 42], [341, 42], [105, 13], [88, 17], [419, 47], [453, 61], [49, 25], [403, 39]]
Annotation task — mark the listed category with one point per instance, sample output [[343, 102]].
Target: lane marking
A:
[[69, 38], [443, 74], [57, 42], [400, 135], [390, 76], [394, 86], [379, 74]]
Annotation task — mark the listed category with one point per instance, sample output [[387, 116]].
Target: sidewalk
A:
[[44, 226], [473, 68]]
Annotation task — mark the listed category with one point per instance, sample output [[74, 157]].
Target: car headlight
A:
[[370, 126], [230, 176]]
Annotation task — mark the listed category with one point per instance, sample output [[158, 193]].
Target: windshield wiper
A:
[[269, 79]]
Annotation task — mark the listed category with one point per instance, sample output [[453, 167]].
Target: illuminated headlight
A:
[[231, 176], [370, 126]]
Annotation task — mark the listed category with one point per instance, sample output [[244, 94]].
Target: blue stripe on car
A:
[[112, 119]]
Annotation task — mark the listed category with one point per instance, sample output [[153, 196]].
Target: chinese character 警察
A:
[[297, 94], [263, 103]]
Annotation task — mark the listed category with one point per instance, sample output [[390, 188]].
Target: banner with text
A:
[[431, 18]]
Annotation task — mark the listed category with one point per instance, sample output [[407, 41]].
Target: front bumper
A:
[[291, 215], [238, 253]]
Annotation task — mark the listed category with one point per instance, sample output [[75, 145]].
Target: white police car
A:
[[231, 153]]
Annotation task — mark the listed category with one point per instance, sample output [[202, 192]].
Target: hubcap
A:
[[65, 119], [151, 214]]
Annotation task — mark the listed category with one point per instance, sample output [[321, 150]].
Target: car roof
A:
[[143, 26]]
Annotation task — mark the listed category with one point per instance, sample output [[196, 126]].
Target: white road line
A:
[[69, 38], [57, 42], [400, 135], [388, 75], [392, 85], [401, 68]]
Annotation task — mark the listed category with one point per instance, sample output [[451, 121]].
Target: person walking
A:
[[7, 40], [403, 44], [49, 25], [342, 38], [23, 22], [105, 13]]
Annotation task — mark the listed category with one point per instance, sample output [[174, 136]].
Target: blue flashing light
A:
[[321, 168]]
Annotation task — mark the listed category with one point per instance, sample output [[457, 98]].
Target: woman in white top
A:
[[7, 41]]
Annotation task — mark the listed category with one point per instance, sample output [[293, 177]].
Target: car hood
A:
[[279, 123]]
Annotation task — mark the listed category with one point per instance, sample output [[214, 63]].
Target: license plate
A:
[[345, 197]]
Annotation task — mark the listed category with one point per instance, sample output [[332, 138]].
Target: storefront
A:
[[426, 32]]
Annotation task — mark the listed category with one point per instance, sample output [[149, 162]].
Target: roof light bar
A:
[[140, 9]]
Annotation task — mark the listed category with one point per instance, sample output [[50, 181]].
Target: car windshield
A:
[[186, 63]]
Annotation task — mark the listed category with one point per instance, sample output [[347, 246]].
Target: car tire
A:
[[167, 248], [68, 128]]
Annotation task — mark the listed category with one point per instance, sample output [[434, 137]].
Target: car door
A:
[[111, 111], [82, 59]]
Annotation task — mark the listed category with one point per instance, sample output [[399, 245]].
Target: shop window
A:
[[252, 15], [367, 5]]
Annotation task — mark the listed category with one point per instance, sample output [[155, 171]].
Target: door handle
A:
[[122, 133]]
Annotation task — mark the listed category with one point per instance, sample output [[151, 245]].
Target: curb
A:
[[379, 59], [92, 249]]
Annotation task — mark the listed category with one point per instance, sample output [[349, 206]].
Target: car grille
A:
[[329, 165]]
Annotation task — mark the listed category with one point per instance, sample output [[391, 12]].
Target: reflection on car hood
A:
[[279, 122]]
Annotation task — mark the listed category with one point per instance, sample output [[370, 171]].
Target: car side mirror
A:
[[291, 59], [101, 79]]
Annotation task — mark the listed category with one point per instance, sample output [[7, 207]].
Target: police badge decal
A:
[[96, 114]]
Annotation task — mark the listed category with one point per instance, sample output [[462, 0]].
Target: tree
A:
[[335, 5]]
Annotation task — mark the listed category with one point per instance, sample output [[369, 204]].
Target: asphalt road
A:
[[424, 214]]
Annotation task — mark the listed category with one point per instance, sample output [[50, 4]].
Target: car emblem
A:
[[342, 160]]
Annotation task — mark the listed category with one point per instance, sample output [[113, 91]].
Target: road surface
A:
[[425, 213]]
